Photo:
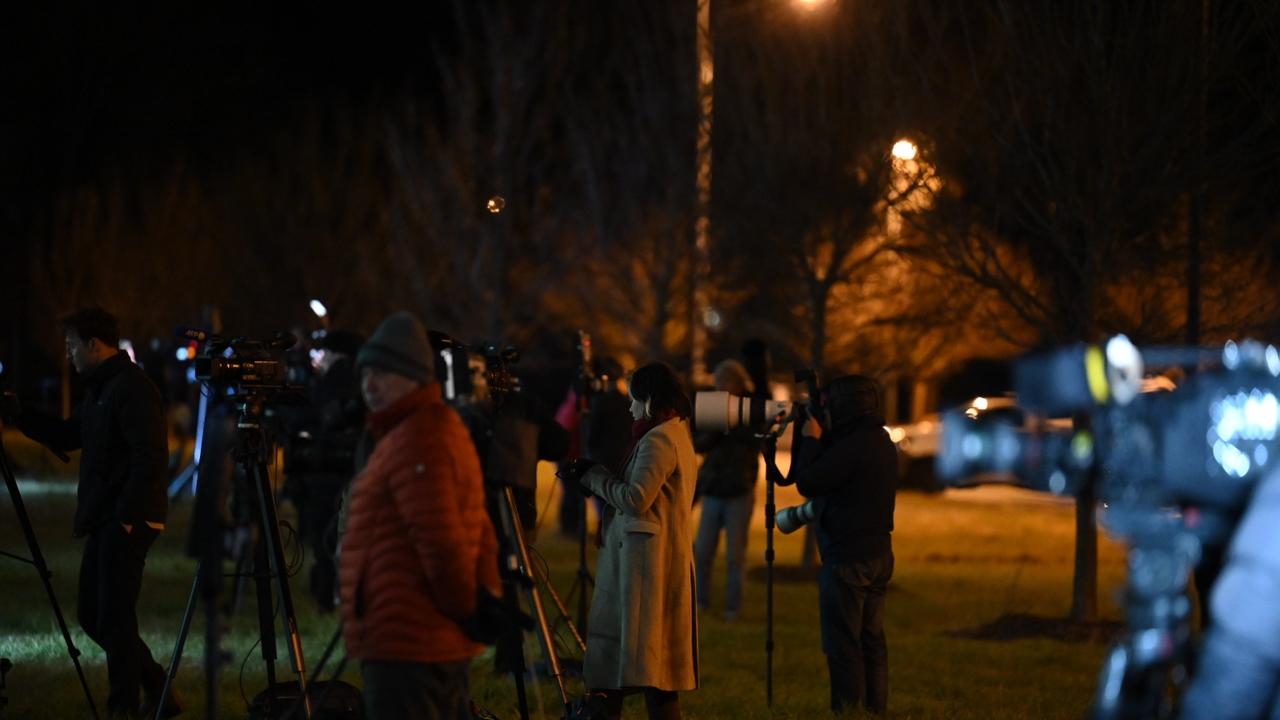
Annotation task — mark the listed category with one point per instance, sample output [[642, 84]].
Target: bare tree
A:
[[1066, 154], [806, 178]]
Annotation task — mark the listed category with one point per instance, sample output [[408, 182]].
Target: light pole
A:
[[700, 311], [702, 221]]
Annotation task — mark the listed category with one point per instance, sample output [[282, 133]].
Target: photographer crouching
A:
[[848, 470]]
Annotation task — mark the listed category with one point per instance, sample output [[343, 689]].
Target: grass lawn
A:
[[963, 559]]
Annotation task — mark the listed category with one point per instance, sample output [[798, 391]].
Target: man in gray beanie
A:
[[418, 545]]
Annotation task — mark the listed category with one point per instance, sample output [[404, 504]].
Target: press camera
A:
[[248, 365], [1203, 444], [1173, 471], [720, 411], [455, 362]]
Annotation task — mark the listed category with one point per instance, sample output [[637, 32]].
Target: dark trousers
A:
[[416, 691], [851, 600], [317, 518], [107, 607], [658, 704]]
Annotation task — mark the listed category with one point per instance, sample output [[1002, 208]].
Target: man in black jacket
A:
[[120, 502], [850, 469]]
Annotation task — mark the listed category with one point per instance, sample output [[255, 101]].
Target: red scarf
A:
[[638, 430]]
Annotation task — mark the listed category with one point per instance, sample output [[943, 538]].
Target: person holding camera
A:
[[851, 468], [321, 457], [418, 548], [643, 632], [121, 500], [726, 485]]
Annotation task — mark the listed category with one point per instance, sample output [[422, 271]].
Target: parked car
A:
[[918, 441]]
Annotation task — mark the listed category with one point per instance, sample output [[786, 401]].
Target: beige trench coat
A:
[[643, 630]]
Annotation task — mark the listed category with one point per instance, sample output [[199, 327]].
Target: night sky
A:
[[126, 91]]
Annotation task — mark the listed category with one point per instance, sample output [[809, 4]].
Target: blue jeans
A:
[[733, 515]]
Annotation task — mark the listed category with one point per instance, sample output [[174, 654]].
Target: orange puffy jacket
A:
[[418, 543]]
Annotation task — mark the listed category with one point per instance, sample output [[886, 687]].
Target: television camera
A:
[[464, 369], [1173, 471]]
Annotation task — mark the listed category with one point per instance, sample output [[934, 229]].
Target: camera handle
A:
[[1155, 652], [42, 569]]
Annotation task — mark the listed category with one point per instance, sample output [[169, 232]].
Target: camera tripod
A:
[[583, 583], [249, 448], [1148, 668], [519, 573], [42, 569]]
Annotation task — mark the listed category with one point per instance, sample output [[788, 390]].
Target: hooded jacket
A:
[[854, 470]]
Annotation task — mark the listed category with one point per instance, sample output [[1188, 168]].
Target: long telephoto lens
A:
[[793, 518], [721, 411]]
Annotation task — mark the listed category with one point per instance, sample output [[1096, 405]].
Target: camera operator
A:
[[120, 502], [321, 454], [418, 546], [643, 633], [851, 468], [511, 434], [1238, 671]]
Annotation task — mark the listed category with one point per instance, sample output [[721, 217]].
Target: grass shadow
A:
[[1019, 626]]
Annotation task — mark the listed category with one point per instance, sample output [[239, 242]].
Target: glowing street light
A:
[[319, 309], [811, 5], [904, 150]]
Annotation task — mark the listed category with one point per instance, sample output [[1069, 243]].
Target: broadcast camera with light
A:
[[248, 366], [1204, 443], [454, 367], [1173, 470]]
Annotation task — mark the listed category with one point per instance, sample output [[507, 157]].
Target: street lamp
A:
[[701, 311], [904, 150]]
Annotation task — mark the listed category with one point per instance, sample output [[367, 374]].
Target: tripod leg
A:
[[266, 615], [564, 612], [769, 508], [275, 554], [42, 569], [584, 573], [181, 642], [511, 521]]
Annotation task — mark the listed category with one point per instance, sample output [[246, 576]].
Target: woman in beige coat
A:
[[642, 631]]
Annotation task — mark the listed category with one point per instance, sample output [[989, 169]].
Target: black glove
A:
[[574, 470], [495, 619], [10, 407]]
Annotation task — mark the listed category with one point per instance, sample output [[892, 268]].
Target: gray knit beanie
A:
[[399, 345]]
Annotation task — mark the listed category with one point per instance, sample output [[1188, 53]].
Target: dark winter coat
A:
[[854, 472], [730, 463], [120, 428]]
